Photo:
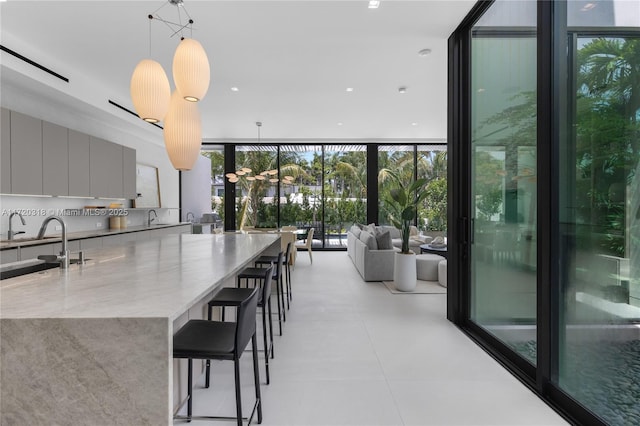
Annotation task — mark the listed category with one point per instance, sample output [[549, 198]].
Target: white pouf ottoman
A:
[[442, 273], [427, 266]]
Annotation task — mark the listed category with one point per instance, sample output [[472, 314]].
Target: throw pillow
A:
[[371, 228], [413, 231], [384, 241], [355, 231], [369, 240], [361, 226]]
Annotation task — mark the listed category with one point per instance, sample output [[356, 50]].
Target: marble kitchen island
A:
[[93, 344]]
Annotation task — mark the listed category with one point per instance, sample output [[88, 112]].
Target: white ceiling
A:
[[291, 60]]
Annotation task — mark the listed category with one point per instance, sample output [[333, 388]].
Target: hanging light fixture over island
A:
[[153, 101]]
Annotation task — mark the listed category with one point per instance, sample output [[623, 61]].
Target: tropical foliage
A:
[[402, 202]]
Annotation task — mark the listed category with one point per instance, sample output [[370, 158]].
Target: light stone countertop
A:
[[22, 241], [159, 278]]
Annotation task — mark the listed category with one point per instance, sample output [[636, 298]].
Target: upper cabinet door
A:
[[106, 169], [55, 159], [116, 186], [129, 172], [79, 173], [99, 167], [26, 154], [5, 153]]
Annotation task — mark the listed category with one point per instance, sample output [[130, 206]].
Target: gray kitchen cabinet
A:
[[8, 256], [5, 153], [112, 241], [91, 243], [72, 246], [116, 178], [26, 154], [129, 172], [32, 252], [106, 169], [79, 172], [130, 236], [55, 159]]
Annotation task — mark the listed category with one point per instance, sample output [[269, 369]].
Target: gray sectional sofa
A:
[[374, 257], [372, 263]]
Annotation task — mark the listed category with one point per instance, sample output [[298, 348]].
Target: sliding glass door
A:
[[545, 132], [503, 175], [600, 200]]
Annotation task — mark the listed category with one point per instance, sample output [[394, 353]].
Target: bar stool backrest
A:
[[266, 284], [246, 322], [287, 255], [279, 265]]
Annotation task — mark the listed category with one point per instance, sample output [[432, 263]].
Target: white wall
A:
[[196, 189]]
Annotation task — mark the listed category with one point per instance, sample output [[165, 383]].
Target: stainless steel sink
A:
[[16, 269]]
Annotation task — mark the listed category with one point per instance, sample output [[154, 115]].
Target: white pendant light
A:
[[182, 132], [191, 71], [150, 91]]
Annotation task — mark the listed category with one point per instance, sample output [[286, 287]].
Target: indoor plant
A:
[[402, 202]]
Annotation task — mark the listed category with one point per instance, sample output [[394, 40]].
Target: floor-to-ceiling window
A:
[[399, 159], [599, 359], [503, 174], [545, 133], [345, 191], [256, 186], [322, 186], [215, 153], [431, 164], [422, 162]]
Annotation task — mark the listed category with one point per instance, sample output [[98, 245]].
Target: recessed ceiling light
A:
[[374, 4], [340, 123], [587, 7], [402, 90], [424, 52], [414, 124], [349, 89], [234, 89]]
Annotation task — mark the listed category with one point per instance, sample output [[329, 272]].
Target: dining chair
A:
[[306, 244]]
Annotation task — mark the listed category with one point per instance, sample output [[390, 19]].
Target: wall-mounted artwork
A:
[[147, 186]]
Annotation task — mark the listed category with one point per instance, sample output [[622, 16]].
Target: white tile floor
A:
[[352, 353]]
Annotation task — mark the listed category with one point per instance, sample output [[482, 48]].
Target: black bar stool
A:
[[203, 339], [262, 260], [257, 274], [232, 297]]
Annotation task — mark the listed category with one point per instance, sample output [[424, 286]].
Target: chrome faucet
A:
[[63, 257], [149, 220], [193, 217], [11, 233]]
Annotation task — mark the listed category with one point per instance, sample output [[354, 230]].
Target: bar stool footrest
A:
[[235, 419]]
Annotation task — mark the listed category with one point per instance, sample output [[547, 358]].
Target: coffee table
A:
[[428, 248]]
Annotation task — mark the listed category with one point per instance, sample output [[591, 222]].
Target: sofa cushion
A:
[[369, 240], [355, 230], [395, 232], [384, 240], [370, 228]]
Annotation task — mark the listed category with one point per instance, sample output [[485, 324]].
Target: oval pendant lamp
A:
[[150, 91], [191, 71], [182, 132]]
